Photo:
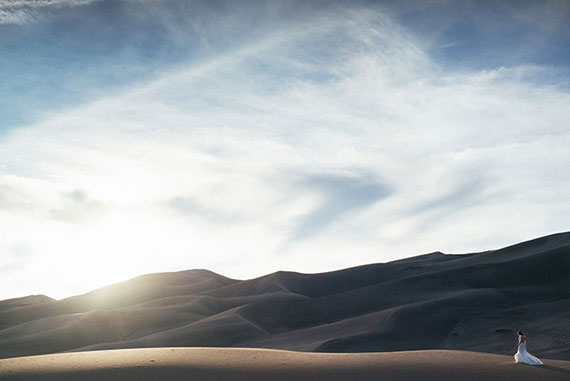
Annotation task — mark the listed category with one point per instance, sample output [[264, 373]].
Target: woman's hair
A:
[[520, 333]]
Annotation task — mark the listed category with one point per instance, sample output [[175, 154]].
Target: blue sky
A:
[[247, 137]]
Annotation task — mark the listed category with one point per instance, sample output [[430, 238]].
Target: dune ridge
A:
[[258, 364], [473, 302]]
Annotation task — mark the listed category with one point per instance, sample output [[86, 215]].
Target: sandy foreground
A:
[[262, 364]]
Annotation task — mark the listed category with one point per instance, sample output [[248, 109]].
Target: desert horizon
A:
[[469, 302], [399, 320], [284, 190]]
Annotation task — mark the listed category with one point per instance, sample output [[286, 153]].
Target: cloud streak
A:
[[25, 11], [331, 141], [343, 193]]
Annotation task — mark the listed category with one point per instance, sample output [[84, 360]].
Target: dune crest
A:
[[470, 302], [255, 364]]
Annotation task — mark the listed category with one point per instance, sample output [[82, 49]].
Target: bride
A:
[[522, 356]]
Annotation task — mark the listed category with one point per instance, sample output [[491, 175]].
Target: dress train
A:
[[523, 357]]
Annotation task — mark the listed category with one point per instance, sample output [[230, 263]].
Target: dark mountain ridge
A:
[[433, 301]]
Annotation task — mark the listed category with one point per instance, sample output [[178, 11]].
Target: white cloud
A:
[[215, 166], [23, 11]]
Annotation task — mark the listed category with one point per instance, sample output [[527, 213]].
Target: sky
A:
[[246, 137]]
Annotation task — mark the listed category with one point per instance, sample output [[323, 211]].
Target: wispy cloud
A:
[[75, 206], [23, 11], [335, 134], [341, 193]]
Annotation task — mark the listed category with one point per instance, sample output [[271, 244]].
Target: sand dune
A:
[[470, 302], [254, 364]]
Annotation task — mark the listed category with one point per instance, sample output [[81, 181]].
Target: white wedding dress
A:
[[523, 357]]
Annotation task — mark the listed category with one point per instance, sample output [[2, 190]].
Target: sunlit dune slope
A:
[[435, 301], [255, 364]]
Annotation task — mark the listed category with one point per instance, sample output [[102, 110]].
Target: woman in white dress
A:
[[522, 356]]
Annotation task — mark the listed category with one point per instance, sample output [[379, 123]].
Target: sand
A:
[[473, 302], [261, 364]]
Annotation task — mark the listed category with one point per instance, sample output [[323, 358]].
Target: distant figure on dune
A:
[[522, 356]]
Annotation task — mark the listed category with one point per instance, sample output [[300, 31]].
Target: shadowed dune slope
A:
[[255, 364], [472, 302]]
